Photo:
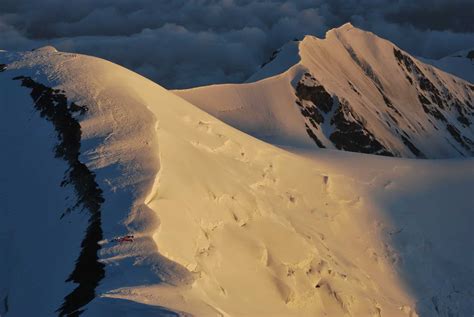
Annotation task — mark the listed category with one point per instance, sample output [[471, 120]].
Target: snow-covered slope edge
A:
[[252, 230], [460, 64], [352, 91]]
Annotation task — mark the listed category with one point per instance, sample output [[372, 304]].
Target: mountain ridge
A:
[[398, 105], [222, 222]]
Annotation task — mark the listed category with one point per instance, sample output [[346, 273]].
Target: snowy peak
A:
[[294, 52], [381, 74], [346, 27], [351, 91]]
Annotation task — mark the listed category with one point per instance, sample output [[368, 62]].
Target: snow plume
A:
[[188, 43]]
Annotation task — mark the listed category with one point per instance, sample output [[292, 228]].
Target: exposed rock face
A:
[[412, 147], [349, 129], [315, 93], [351, 133], [52, 104], [366, 68], [313, 101], [441, 106]]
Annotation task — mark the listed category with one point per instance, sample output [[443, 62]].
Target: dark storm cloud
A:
[[439, 15], [182, 43]]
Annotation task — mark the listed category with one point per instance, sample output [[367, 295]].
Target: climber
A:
[[127, 238]]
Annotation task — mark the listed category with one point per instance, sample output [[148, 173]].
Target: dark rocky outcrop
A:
[[424, 83], [431, 110], [412, 147], [314, 137], [313, 101], [462, 140], [404, 60], [462, 114], [312, 113], [353, 88], [351, 133], [317, 94], [439, 105], [52, 105], [389, 104], [366, 68]]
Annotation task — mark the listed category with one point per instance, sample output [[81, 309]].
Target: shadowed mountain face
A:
[[52, 105], [351, 91]]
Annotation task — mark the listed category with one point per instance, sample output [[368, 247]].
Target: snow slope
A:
[[460, 64], [37, 248], [352, 91], [224, 224]]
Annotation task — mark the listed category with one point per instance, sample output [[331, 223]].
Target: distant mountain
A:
[[460, 64], [351, 91]]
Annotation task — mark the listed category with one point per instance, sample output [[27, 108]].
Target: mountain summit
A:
[[350, 91]]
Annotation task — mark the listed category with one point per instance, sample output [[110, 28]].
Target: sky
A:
[[186, 43]]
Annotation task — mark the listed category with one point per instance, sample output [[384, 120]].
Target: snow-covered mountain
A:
[[352, 91], [223, 224], [460, 64]]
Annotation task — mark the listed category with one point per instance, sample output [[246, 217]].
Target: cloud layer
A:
[[184, 43]]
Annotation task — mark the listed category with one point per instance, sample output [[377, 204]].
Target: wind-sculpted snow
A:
[[388, 103], [224, 224]]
